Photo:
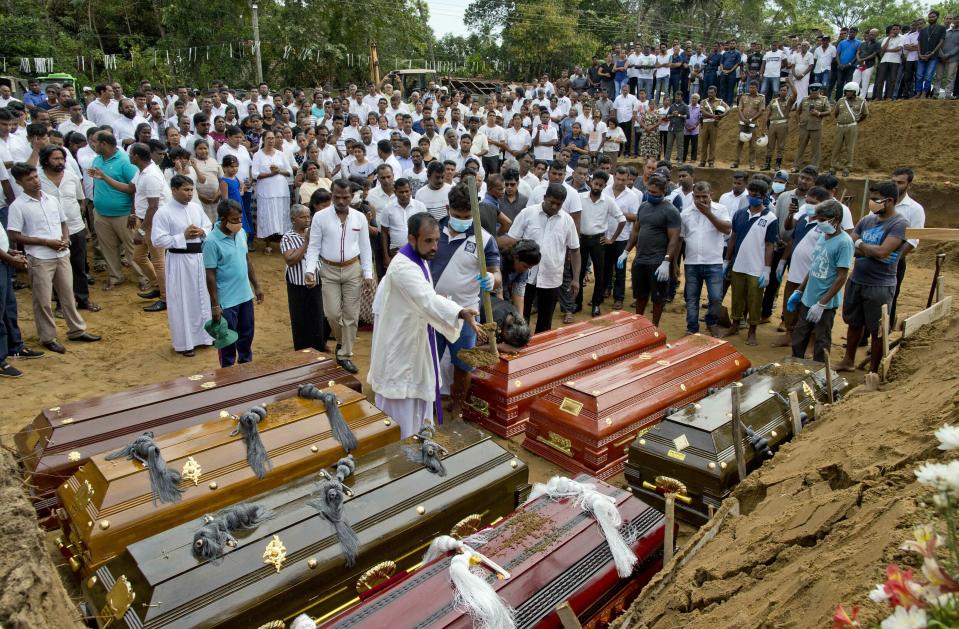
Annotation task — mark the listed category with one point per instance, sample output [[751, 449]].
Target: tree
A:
[[545, 35]]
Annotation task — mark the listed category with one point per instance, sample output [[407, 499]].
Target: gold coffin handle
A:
[[379, 573], [681, 497]]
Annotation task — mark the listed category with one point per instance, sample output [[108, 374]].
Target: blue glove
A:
[[793, 302], [662, 271], [487, 283], [780, 269], [764, 278], [815, 313], [621, 260]]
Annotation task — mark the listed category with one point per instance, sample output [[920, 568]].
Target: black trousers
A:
[[691, 142], [772, 288], [614, 278], [843, 76], [885, 85], [591, 249], [490, 164], [627, 128], [309, 326], [546, 299], [78, 264]]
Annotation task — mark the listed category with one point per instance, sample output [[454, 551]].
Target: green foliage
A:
[[545, 34]]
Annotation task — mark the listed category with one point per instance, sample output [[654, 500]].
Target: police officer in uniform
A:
[[777, 123], [713, 110], [751, 107], [814, 108], [850, 111]]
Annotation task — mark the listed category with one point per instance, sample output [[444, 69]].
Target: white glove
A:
[[662, 271], [780, 269], [764, 278], [815, 313], [621, 260], [725, 266]]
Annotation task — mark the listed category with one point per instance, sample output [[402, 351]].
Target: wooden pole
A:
[[865, 198], [794, 413], [481, 256], [884, 330], [670, 512], [738, 447], [940, 258], [829, 395]]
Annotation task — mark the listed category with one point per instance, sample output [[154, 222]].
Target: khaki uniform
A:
[[708, 131], [750, 106], [810, 130], [777, 126], [848, 115]]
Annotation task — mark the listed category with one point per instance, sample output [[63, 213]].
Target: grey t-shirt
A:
[[652, 239], [870, 271]]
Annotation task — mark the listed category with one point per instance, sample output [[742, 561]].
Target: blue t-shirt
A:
[[580, 142], [870, 271], [731, 59], [227, 255], [846, 50], [107, 200], [829, 255]]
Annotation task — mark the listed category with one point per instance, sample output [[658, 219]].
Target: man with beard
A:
[[125, 125]]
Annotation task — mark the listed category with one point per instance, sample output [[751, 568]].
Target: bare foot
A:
[[844, 366], [751, 338], [785, 341]]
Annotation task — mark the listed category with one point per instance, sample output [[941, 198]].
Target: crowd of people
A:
[[176, 190]]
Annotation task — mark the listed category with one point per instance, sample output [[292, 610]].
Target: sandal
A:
[[188, 353], [567, 318], [91, 307]]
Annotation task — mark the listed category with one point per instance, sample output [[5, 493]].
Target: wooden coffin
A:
[[397, 508], [109, 504], [587, 424], [500, 396], [554, 552], [695, 444], [62, 438]]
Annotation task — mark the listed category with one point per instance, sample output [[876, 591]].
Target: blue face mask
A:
[[460, 224], [778, 186], [654, 198], [754, 201], [809, 209], [827, 228]]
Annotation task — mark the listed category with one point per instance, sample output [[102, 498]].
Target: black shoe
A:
[[159, 306], [55, 346], [347, 364], [149, 294], [91, 280], [9, 371], [26, 352], [17, 285], [596, 311], [86, 337]]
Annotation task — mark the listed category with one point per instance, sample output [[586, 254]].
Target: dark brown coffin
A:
[[500, 396], [62, 438], [109, 504], [695, 444], [397, 509], [554, 552], [587, 424]]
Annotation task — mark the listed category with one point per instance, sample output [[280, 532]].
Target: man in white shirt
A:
[[823, 56], [103, 109], [233, 146], [37, 221], [6, 96], [13, 146], [557, 174], [801, 62], [201, 123], [890, 59], [626, 106], [76, 121], [152, 192], [737, 198], [340, 245], [435, 194], [125, 125], [545, 137], [599, 210], [661, 74], [704, 230], [395, 217], [910, 49], [771, 71], [496, 140], [555, 232], [916, 215]]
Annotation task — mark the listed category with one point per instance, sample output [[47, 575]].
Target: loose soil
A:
[[135, 350]]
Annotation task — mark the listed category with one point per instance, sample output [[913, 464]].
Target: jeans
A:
[[772, 82], [822, 78], [696, 275], [618, 82], [710, 78], [240, 319], [466, 340], [925, 70], [727, 87], [905, 82], [11, 340], [662, 87], [645, 84]]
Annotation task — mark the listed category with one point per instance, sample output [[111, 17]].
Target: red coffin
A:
[[500, 396], [555, 553], [587, 424]]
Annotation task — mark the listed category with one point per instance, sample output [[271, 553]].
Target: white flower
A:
[[948, 437], [912, 618], [878, 594], [941, 476]]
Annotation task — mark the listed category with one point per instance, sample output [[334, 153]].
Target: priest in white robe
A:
[[180, 226], [408, 314]]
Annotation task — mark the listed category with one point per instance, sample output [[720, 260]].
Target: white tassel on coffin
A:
[[601, 507]]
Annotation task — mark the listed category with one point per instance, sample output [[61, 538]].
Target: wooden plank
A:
[[935, 312], [794, 413], [829, 394], [737, 427], [567, 617], [886, 363], [932, 233]]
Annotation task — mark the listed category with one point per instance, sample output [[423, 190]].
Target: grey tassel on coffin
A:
[[331, 493], [163, 480], [256, 454], [339, 427], [211, 539], [429, 453]]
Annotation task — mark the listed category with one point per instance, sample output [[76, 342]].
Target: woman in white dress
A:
[[270, 170]]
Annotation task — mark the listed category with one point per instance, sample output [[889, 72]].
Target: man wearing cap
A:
[[777, 123], [713, 111], [814, 108], [850, 111], [751, 107]]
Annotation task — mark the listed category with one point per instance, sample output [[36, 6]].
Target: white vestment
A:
[[402, 362], [187, 301]]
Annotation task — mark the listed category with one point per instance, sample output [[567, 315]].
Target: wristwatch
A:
[[141, 232]]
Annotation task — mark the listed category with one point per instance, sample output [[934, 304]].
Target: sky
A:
[[446, 17]]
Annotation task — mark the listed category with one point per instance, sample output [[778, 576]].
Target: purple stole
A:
[[411, 253]]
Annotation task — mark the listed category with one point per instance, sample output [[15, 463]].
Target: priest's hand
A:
[[310, 279], [469, 316]]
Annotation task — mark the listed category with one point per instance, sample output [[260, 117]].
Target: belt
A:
[[778, 121], [851, 124], [707, 121], [191, 247], [349, 262]]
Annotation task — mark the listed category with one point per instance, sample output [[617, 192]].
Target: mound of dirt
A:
[[896, 133], [925, 255], [821, 521], [31, 594]]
